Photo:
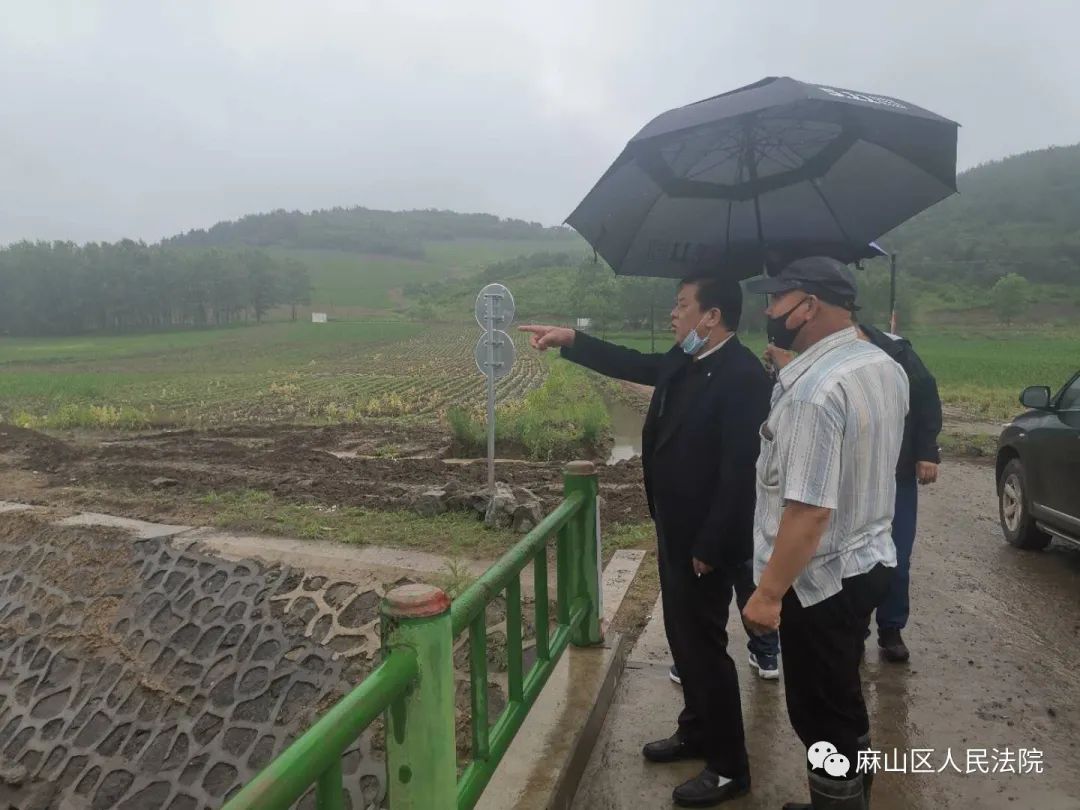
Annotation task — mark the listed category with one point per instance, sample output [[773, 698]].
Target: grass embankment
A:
[[454, 534], [564, 418]]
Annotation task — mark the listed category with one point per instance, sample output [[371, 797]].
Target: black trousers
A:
[[695, 618], [823, 646]]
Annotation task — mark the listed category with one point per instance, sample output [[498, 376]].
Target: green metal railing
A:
[[414, 684]]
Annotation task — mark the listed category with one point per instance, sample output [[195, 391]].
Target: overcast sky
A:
[[146, 118]]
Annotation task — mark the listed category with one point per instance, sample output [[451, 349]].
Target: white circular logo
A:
[[837, 765], [817, 752]]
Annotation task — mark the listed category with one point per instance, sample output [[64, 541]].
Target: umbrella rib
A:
[[678, 154], [731, 150], [673, 186], [630, 243], [829, 208], [730, 203], [797, 161], [752, 168]]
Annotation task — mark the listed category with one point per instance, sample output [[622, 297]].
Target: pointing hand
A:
[[543, 338]]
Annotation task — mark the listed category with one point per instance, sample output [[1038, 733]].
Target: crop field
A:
[[276, 372], [980, 373]]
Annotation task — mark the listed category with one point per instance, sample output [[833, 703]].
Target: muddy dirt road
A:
[[995, 641]]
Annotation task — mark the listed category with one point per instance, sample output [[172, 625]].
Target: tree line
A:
[[566, 286], [554, 284], [364, 230], [59, 288]]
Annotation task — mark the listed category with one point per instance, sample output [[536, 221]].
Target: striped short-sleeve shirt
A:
[[832, 439]]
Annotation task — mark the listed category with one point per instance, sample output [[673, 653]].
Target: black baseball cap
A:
[[828, 279]]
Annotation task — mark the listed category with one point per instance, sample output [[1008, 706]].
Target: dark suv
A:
[[1038, 468]]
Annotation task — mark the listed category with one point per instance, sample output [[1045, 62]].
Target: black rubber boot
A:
[[833, 794], [868, 777]]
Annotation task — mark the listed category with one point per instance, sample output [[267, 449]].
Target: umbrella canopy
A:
[[779, 168]]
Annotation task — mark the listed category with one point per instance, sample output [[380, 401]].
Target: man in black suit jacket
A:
[[699, 450]]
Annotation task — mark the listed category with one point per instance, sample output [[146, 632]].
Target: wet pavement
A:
[[995, 668]]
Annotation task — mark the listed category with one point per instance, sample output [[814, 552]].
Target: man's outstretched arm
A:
[[599, 355]]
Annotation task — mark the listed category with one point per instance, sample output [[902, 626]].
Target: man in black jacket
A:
[[918, 462], [699, 450], [919, 459]]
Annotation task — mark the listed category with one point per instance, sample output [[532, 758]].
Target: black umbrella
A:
[[763, 175]]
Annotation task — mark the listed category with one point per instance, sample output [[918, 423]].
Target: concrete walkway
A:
[[995, 668], [645, 708]]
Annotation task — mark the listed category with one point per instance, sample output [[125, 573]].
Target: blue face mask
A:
[[693, 342]]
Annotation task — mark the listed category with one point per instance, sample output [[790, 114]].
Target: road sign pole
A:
[[494, 354], [490, 327]]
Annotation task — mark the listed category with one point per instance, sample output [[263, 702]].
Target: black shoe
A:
[[705, 790], [674, 675], [673, 749], [892, 646]]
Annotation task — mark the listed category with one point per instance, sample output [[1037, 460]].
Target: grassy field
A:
[[980, 372], [555, 420], [983, 374]]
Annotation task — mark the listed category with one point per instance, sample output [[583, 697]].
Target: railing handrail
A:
[[414, 685], [287, 778], [487, 587], [477, 773]]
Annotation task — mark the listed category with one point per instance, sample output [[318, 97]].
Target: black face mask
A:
[[777, 329]]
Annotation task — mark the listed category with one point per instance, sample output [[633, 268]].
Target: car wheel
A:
[[1015, 511]]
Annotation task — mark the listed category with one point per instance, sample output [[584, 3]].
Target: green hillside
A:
[[343, 281], [359, 259], [364, 230], [1017, 215]]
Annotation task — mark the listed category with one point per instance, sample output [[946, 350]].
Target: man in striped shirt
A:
[[823, 550]]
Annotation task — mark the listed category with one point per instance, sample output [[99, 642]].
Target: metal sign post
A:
[[494, 353], [892, 293]]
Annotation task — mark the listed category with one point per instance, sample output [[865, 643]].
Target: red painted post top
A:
[[415, 602], [580, 468]]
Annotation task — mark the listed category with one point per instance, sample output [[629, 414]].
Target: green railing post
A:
[[421, 765], [580, 476]]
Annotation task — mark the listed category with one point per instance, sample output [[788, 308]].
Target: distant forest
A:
[[363, 230], [216, 276], [1018, 215], [60, 288]]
